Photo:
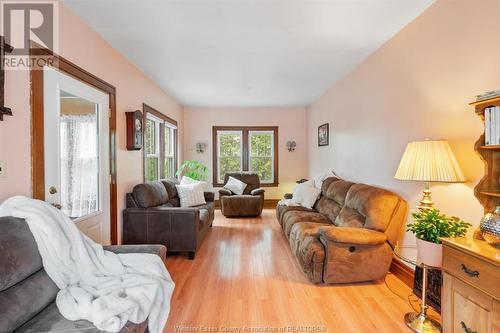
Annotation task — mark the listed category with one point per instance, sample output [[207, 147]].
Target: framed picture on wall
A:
[[323, 135]]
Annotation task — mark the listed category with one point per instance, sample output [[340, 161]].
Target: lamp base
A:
[[426, 202], [420, 323]]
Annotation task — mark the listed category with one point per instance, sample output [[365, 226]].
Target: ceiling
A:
[[247, 53]]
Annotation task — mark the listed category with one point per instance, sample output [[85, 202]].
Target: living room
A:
[[393, 94]]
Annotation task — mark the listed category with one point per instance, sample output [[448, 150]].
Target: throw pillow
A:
[[235, 185], [319, 179], [306, 194], [188, 180], [191, 195]]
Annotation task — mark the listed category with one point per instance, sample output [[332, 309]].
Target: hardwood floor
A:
[[246, 276]]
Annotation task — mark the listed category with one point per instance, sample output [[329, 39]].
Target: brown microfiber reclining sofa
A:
[[349, 235]]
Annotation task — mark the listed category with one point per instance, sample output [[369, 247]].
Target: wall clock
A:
[[134, 130]]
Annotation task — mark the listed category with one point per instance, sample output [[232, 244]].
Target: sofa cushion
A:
[[24, 300], [20, 257], [282, 209], [50, 320], [150, 194], [367, 207], [296, 216], [169, 184], [334, 192]]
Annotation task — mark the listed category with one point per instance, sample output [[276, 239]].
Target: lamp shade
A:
[[429, 161]]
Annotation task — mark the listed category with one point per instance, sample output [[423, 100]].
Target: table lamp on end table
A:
[[427, 161]]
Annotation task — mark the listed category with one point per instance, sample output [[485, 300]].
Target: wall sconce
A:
[[290, 145], [200, 147]]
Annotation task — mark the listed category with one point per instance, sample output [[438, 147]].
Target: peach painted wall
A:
[[416, 86], [292, 165], [84, 47]]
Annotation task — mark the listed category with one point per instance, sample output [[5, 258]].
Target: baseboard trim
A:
[[268, 203], [402, 272]]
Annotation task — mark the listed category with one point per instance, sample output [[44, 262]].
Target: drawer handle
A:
[[466, 329], [469, 271]]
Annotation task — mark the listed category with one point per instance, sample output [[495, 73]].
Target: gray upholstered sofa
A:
[[27, 294], [349, 235]]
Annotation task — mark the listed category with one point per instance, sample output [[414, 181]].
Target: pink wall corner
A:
[[81, 45], [292, 165], [416, 86]]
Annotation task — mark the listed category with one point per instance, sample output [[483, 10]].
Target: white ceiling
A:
[[247, 53]]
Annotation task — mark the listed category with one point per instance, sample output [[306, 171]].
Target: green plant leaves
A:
[[430, 225], [193, 169]]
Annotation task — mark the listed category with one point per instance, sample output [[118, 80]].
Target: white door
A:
[[76, 134]]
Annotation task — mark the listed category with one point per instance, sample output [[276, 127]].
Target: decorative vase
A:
[[430, 253], [490, 227]]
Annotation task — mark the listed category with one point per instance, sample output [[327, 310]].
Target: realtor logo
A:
[[27, 24]]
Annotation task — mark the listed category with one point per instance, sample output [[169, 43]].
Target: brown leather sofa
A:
[[349, 235], [154, 216], [250, 203]]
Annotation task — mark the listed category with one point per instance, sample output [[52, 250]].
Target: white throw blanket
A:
[[100, 286]]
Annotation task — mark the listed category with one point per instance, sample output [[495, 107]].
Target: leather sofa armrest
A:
[[288, 196], [223, 192], [257, 191], [209, 196], [359, 236]]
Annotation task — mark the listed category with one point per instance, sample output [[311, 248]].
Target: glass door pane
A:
[[79, 156]]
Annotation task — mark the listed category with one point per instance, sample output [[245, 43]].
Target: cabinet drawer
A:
[[466, 309], [477, 272]]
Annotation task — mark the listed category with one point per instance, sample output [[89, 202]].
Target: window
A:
[[160, 145], [246, 149]]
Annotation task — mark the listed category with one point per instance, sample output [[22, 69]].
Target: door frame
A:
[[37, 126]]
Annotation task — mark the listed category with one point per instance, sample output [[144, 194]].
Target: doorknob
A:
[[52, 190], [58, 206]]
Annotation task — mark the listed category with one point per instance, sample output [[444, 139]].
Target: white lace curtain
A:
[[79, 165]]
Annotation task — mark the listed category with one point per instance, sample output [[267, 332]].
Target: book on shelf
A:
[[488, 95], [492, 126]]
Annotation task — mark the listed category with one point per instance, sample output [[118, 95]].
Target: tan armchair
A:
[[250, 203]]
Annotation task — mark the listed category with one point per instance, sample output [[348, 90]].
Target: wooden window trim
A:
[[245, 152], [37, 138], [148, 109]]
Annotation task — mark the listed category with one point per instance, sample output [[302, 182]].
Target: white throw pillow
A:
[[191, 194], [306, 194], [234, 185], [188, 180], [319, 179]]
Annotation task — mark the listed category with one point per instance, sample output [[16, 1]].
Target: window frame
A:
[[245, 155], [161, 121]]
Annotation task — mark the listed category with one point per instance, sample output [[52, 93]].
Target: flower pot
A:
[[430, 253]]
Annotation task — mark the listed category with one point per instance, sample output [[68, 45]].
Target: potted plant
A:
[[193, 169], [429, 226]]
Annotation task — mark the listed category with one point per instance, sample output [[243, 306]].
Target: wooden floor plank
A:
[[245, 275]]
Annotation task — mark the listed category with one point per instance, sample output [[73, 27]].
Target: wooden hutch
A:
[[471, 267], [487, 190]]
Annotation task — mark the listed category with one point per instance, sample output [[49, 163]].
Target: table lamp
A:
[[429, 161]]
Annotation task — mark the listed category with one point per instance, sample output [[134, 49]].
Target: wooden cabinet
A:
[[487, 191], [471, 287]]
